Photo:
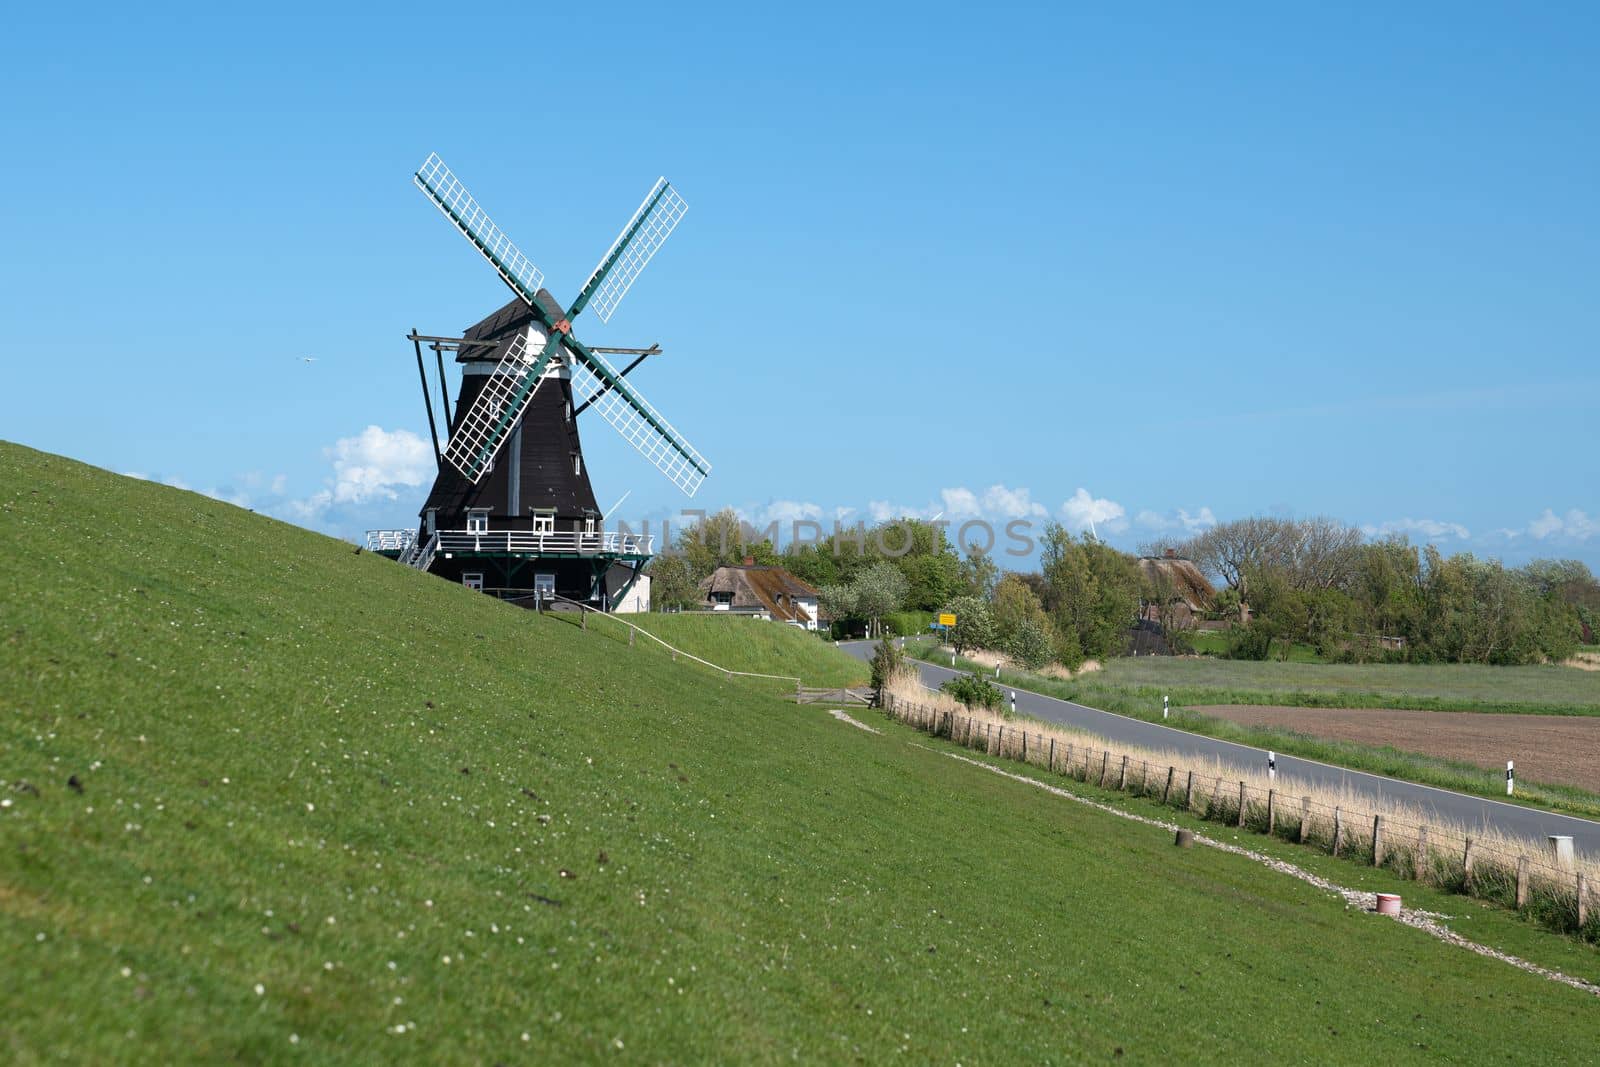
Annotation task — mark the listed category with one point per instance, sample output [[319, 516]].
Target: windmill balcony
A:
[[555, 543]]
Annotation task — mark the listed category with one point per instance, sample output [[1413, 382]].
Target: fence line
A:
[[1443, 856]]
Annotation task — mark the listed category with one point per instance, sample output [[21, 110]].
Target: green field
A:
[[739, 643], [1544, 690], [271, 800], [1215, 643]]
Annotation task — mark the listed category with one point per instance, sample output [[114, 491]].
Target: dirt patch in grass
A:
[[1559, 749]]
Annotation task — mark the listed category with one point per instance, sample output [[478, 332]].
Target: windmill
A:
[[511, 510]]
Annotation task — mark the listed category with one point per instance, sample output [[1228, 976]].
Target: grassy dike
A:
[[271, 800], [1143, 701]]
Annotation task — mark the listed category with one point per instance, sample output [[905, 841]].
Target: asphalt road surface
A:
[[1466, 811]]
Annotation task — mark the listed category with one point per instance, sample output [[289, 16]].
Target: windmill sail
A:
[[484, 426], [597, 383], [447, 193], [645, 233]]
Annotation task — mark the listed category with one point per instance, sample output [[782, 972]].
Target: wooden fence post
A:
[[1241, 805], [583, 620], [1522, 882], [1105, 762], [1067, 767], [1338, 830], [1052, 755], [1305, 818], [1188, 793], [1583, 902], [1167, 792], [1466, 866], [1122, 778], [1420, 863], [1377, 840], [1272, 812]]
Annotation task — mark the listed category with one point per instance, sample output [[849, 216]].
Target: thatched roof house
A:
[[1179, 585], [766, 592]]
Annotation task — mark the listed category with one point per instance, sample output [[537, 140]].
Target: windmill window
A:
[[544, 522], [588, 525], [477, 522], [473, 580]]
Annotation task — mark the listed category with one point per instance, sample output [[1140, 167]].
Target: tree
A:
[[879, 589], [1232, 550], [888, 663], [723, 539], [979, 573], [1015, 604], [1031, 643], [673, 585], [974, 623], [1095, 590]]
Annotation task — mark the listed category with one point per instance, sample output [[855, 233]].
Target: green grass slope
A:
[[271, 800], [739, 643]]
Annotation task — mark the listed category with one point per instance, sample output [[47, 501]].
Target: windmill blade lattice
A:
[[484, 426], [596, 382], [447, 193], [658, 215]]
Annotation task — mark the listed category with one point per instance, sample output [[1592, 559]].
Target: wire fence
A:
[[1553, 889]]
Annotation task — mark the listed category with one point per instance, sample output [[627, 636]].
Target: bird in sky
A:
[[308, 359]]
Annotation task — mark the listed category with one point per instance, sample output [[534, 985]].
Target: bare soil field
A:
[[1558, 749]]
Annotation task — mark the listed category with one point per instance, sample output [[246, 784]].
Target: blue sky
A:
[[1150, 266]]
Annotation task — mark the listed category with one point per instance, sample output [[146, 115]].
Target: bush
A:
[[908, 623], [974, 691], [1030, 644]]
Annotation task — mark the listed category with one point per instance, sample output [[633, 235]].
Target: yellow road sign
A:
[[947, 620]]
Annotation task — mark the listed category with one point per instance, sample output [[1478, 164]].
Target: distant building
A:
[[763, 592], [1188, 595]]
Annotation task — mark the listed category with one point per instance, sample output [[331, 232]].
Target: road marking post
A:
[[1272, 766], [1164, 705], [1511, 776]]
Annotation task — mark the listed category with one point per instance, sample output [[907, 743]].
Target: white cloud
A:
[[1575, 525], [370, 465], [1084, 512], [784, 511], [959, 502], [1179, 520], [883, 511], [1428, 529], [999, 501]]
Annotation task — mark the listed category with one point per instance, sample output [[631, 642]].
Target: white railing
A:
[[390, 540], [421, 554], [559, 541]]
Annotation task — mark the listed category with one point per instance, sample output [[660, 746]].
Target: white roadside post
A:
[[1272, 766], [1511, 776], [1013, 701], [1164, 707]]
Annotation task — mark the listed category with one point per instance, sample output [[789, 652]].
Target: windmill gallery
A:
[[511, 511]]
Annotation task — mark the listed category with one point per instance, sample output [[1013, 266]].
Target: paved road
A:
[[1468, 811]]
